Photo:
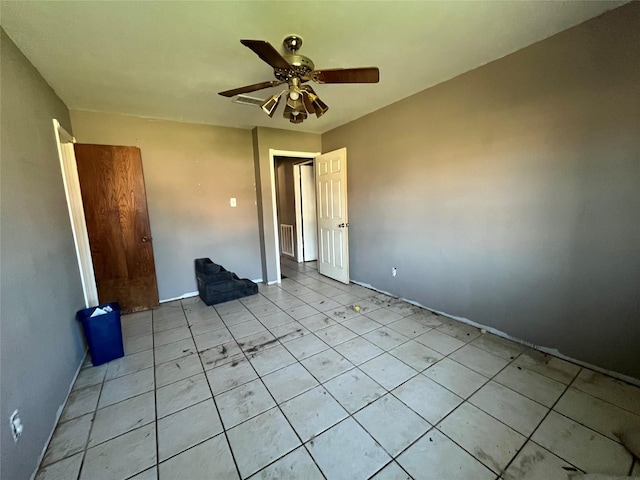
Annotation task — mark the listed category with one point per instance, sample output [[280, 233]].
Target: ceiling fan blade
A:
[[251, 88], [346, 75], [267, 53]]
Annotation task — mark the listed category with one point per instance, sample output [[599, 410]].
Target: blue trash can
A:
[[103, 333]]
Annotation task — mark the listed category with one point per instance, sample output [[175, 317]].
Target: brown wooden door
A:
[[115, 205]]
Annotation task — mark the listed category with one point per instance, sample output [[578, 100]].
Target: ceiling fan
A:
[[295, 70]]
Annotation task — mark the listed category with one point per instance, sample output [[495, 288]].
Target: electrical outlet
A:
[[233, 202], [16, 425], [394, 272]]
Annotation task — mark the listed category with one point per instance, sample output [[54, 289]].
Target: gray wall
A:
[[285, 193], [191, 171], [264, 140], [510, 195], [41, 343]]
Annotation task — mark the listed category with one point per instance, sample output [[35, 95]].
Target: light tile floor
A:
[[298, 383]]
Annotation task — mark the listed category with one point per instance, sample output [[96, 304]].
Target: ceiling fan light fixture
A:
[[294, 95], [308, 104], [288, 110], [294, 108], [319, 107], [270, 105], [299, 117], [312, 102]]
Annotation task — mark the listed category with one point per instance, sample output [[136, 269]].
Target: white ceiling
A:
[[169, 59]]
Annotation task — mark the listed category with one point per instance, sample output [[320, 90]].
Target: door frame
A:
[[273, 153], [297, 198], [297, 202], [71, 182]]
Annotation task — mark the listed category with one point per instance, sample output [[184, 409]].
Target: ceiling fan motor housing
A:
[[301, 66], [292, 43]]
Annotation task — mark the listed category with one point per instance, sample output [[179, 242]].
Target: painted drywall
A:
[[264, 140], [191, 172], [41, 345], [285, 191], [510, 195], [285, 201]]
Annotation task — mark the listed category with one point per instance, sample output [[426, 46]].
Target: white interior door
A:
[[309, 219], [333, 221]]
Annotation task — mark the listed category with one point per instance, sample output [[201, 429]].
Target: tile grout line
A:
[[333, 347], [511, 361], [434, 425], [155, 391], [528, 438], [330, 347], [567, 387], [464, 400], [393, 458], [95, 412], [321, 384], [258, 377], [155, 385], [213, 399], [277, 405], [138, 395], [355, 366]]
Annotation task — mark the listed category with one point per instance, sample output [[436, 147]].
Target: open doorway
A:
[[295, 210], [330, 173], [306, 212]]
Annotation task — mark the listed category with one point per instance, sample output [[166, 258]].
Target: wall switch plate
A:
[[232, 202], [394, 271]]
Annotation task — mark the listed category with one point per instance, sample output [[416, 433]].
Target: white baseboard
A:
[[194, 294], [550, 351], [186, 295]]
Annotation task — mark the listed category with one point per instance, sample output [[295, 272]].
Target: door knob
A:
[[145, 239], [342, 225]]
